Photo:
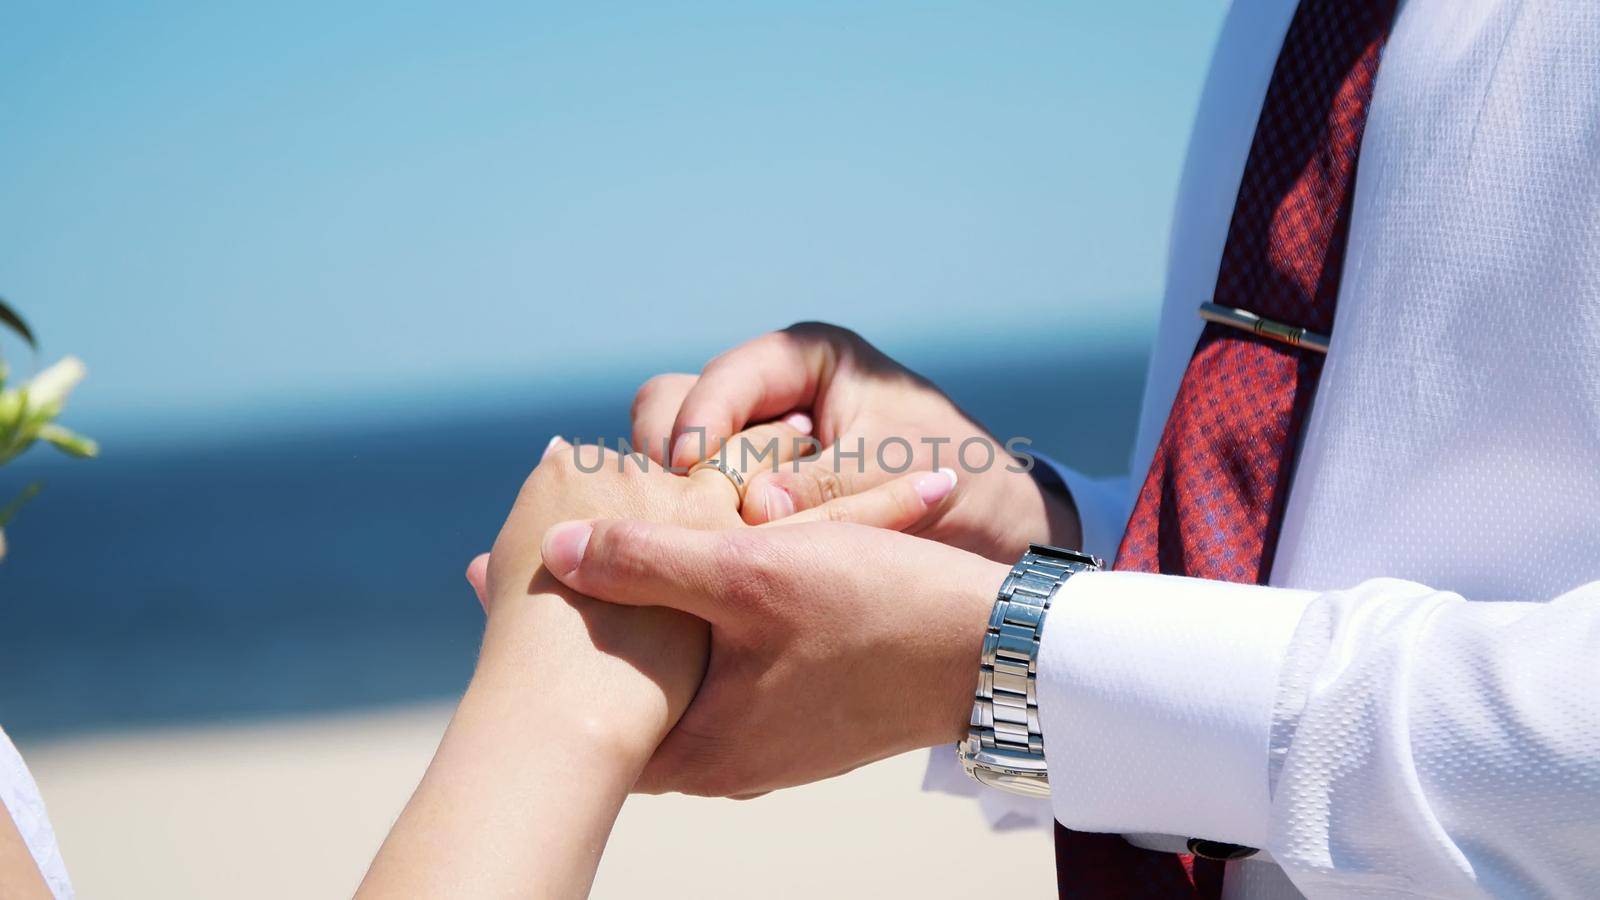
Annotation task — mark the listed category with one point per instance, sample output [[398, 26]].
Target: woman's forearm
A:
[[561, 715], [569, 699]]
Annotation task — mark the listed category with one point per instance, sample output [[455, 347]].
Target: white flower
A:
[[49, 389], [26, 413]]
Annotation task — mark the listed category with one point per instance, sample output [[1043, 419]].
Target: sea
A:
[[237, 573]]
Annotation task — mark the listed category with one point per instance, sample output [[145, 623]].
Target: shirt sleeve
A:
[[1387, 739]]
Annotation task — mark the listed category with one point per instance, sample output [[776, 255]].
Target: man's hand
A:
[[833, 644], [858, 399]]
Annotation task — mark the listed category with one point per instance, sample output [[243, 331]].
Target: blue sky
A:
[[308, 208]]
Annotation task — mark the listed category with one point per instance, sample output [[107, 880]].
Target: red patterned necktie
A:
[[1213, 501]]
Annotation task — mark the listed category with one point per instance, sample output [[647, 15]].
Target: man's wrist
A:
[[1004, 744], [972, 591], [1034, 507], [1063, 526]]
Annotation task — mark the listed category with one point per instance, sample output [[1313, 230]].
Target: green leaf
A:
[[9, 317], [9, 511], [68, 441]]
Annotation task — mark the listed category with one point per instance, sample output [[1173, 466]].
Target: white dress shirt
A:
[[1412, 708]]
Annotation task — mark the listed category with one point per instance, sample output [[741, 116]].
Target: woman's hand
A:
[[571, 695], [650, 658]]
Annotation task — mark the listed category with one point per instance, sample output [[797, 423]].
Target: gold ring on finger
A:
[[735, 477]]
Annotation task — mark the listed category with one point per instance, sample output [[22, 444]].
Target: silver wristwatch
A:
[[1004, 747]]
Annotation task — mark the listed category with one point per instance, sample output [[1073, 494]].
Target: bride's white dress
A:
[[22, 800]]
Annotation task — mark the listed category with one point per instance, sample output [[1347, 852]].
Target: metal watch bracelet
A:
[[1004, 746]]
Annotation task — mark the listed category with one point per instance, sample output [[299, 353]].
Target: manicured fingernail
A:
[[777, 502], [477, 566], [564, 545], [555, 444], [936, 486], [477, 576], [799, 421]]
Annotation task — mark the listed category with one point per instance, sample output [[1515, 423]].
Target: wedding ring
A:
[[735, 477]]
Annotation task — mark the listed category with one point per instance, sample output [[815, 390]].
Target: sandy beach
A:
[[296, 807]]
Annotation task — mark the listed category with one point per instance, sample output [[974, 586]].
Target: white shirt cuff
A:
[[1156, 700], [1102, 511]]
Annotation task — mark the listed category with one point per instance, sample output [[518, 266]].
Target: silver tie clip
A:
[[1277, 331]]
